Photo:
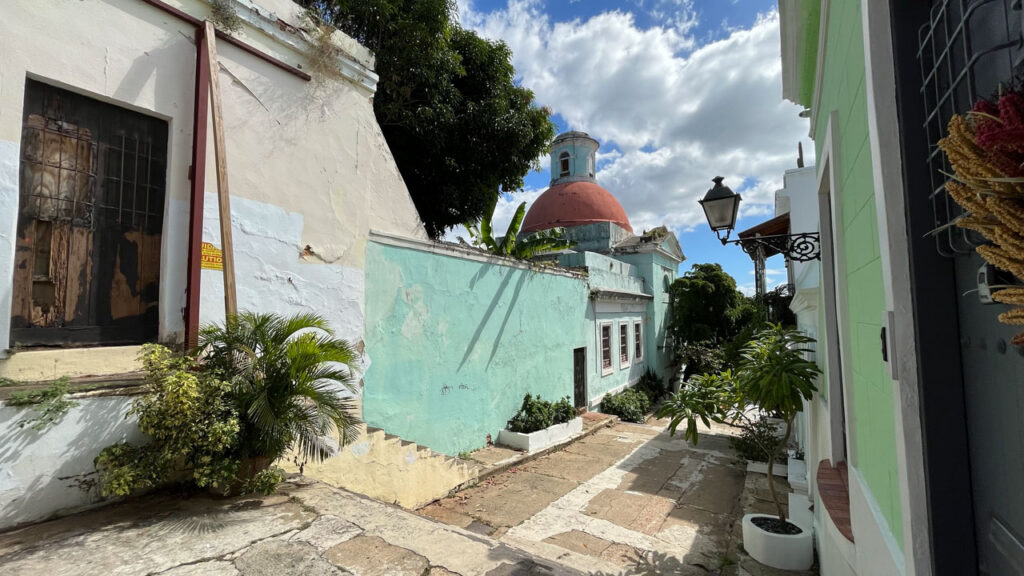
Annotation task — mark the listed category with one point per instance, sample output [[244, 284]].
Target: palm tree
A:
[[481, 235], [288, 375]]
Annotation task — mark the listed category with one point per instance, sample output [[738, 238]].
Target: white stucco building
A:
[[98, 180]]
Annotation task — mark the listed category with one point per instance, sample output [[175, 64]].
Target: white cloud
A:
[[679, 112]]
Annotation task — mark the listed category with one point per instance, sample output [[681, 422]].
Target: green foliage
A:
[[192, 425], [537, 414], [651, 386], [702, 357], [564, 411], [264, 482], [287, 375], [773, 376], [630, 405], [481, 236], [758, 441], [458, 125], [49, 404], [703, 303]]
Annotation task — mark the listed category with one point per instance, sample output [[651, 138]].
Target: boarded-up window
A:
[[90, 216]]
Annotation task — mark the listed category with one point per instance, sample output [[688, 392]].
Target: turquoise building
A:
[[456, 336]]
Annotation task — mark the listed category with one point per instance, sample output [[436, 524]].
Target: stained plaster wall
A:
[[658, 272], [457, 340], [876, 499], [312, 160], [306, 166]]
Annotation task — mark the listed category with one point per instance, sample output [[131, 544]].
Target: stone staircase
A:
[[390, 469]]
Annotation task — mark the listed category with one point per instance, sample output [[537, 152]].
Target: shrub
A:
[[758, 441], [264, 482], [651, 386], [191, 423], [564, 411], [537, 414], [630, 405], [534, 414]]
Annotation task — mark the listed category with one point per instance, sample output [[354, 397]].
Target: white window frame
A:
[[564, 156], [610, 367], [638, 340], [623, 342]]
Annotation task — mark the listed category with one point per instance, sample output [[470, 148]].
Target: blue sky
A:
[[676, 91]]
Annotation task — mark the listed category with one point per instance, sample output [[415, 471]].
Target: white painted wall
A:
[[307, 165], [45, 473]]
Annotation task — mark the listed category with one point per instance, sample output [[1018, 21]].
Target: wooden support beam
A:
[[200, 112], [223, 194]]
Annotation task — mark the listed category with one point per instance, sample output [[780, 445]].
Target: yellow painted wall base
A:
[[386, 468], [41, 365]]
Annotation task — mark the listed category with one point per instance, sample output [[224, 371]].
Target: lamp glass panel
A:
[[721, 212]]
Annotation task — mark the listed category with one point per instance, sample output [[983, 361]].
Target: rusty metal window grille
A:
[[968, 50], [90, 217]]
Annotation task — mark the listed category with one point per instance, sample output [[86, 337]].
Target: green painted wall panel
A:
[[454, 344], [872, 429]]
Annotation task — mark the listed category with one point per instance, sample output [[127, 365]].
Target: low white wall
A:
[[43, 473]]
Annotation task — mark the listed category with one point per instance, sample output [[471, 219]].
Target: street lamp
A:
[[721, 206]]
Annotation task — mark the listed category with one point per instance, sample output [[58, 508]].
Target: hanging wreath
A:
[[985, 147]]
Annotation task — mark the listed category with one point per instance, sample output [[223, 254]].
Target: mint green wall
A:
[[454, 344], [873, 427], [655, 268]]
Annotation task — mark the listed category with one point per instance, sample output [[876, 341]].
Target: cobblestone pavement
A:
[[628, 499], [306, 529]]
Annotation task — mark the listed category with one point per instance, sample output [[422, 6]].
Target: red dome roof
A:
[[574, 204]]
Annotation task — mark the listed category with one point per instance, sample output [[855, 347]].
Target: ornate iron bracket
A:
[[802, 247]]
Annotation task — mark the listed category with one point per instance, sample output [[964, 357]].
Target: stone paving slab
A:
[[308, 528]]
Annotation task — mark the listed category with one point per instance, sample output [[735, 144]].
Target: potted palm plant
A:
[[292, 383], [773, 375]]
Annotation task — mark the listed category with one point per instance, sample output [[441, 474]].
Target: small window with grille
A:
[[623, 344], [90, 218], [606, 349]]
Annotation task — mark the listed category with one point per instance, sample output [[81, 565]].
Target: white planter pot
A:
[[541, 439], [783, 551]]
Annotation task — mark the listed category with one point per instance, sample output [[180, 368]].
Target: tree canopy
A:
[[459, 127], [705, 303]]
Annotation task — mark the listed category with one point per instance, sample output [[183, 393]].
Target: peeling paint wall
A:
[[457, 342], [307, 166], [312, 156]]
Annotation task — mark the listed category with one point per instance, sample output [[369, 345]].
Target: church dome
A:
[[574, 204], [574, 198]]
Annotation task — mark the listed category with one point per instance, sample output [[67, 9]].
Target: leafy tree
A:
[[459, 127], [704, 303], [481, 235]]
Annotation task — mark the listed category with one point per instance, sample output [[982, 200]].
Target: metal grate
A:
[[969, 50]]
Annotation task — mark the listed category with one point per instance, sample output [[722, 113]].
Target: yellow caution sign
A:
[[213, 258]]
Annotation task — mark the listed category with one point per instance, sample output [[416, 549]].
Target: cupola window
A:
[[590, 165], [563, 164]]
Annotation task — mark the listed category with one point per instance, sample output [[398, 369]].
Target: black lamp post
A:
[[722, 205]]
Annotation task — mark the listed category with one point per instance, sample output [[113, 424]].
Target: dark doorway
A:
[[579, 377], [90, 218]]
